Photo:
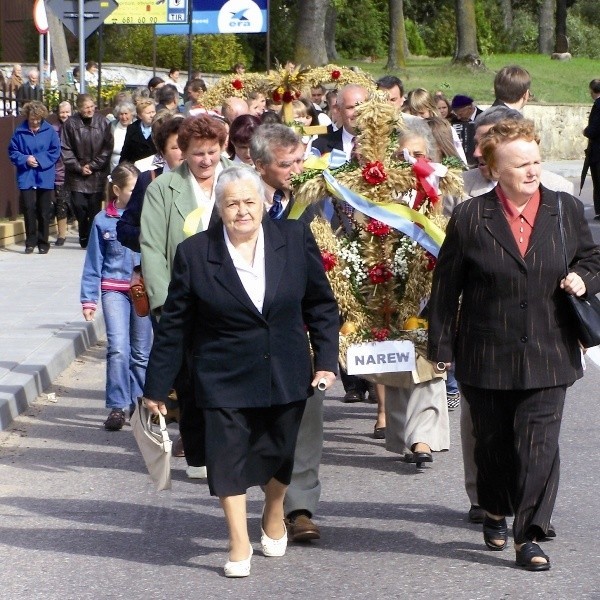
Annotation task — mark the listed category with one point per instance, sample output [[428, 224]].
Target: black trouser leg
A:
[[44, 216], [29, 210], [86, 207], [595, 172]]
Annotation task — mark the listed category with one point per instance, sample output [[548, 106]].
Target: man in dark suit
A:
[[512, 87], [464, 113], [348, 99], [31, 90], [592, 132]]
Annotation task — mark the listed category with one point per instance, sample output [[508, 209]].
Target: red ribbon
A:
[[423, 169]]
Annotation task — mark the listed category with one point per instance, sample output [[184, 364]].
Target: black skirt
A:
[[246, 447]]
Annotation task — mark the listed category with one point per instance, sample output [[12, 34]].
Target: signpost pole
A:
[[190, 30], [81, 24]]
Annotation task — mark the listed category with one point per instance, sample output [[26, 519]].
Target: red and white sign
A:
[[40, 18]]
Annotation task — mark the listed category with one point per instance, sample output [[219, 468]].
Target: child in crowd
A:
[[107, 270], [303, 117]]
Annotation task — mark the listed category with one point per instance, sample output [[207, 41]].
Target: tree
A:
[[466, 34], [310, 34], [546, 26], [398, 44], [507, 13], [561, 40]]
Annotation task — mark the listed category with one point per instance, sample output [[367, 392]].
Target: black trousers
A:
[[86, 207], [192, 425], [517, 455], [595, 172], [36, 206]]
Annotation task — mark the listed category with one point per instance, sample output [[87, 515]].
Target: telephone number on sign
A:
[[134, 20]]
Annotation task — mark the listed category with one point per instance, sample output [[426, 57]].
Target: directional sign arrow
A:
[[95, 13]]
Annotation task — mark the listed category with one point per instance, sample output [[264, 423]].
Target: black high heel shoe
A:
[[495, 530]]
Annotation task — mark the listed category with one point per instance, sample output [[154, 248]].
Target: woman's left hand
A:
[[327, 376], [573, 284]]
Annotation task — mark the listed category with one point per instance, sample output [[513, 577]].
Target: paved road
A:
[[80, 521]]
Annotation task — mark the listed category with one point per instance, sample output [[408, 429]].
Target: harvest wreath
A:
[[380, 270]]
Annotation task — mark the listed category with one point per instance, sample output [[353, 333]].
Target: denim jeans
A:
[[129, 340], [451, 385]]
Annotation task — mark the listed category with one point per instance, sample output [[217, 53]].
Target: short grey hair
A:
[[495, 114], [122, 107], [268, 137], [417, 127], [233, 174]]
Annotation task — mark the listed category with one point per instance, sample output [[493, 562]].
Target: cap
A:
[[459, 101]]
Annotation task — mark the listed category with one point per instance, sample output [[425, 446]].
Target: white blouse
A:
[[252, 276]]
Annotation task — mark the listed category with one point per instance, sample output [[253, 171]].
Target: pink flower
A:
[[374, 173]]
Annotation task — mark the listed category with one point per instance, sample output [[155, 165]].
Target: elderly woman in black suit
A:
[[245, 292], [514, 345]]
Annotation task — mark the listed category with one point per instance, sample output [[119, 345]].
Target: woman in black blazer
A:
[[243, 294], [138, 142], [513, 341]]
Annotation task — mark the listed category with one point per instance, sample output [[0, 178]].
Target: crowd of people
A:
[[200, 199]]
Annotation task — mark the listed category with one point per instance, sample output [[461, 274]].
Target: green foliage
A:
[[523, 34], [491, 37], [283, 29], [362, 32], [439, 34], [583, 37], [589, 11], [133, 44], [416, 45]]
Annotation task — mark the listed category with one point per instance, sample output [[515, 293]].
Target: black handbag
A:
[[585, 309]]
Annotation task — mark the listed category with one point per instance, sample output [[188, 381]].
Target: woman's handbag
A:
[[586, 309], [155, 446], [138, 293]]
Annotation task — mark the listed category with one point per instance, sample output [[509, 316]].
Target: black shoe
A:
[[43, 250], [379, 433], [59, 242], [476, 514], [115, 420], [494, 530], [353, 396], [527, 553], [597, 218], [29, 250], [453, 400]]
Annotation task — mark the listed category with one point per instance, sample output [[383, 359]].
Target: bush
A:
[[440, 36], [362, 32], [416, 45], [523, 35], [583, 37], [491, 37]]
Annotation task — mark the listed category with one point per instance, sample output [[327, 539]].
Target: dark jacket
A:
[[86, 144], [45, 146], [241, 357], [128, 226], [515, 329], [59, 179], [592, 132], [330, 141], [136, 146], [26, 93]]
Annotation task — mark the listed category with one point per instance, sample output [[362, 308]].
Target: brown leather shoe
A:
[[178, 448], [302, 529]]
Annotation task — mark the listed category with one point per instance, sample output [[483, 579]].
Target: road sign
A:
[[144, 12], [95, 13]]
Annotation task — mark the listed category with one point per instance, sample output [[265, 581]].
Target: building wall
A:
[[16, 18]]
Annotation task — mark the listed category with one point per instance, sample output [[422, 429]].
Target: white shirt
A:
[[347, 142], [252, 276], [203, 200]]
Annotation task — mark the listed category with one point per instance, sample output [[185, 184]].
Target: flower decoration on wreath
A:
[[283, 85], [380, 270]]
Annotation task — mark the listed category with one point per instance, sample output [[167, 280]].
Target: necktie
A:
[[276, 209]]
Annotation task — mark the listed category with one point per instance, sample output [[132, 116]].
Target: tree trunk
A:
[[466, 34], [330, 20], [561, 41], [58, 43], [507, 13], [310, 35], [398, 44], [546, 26]]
